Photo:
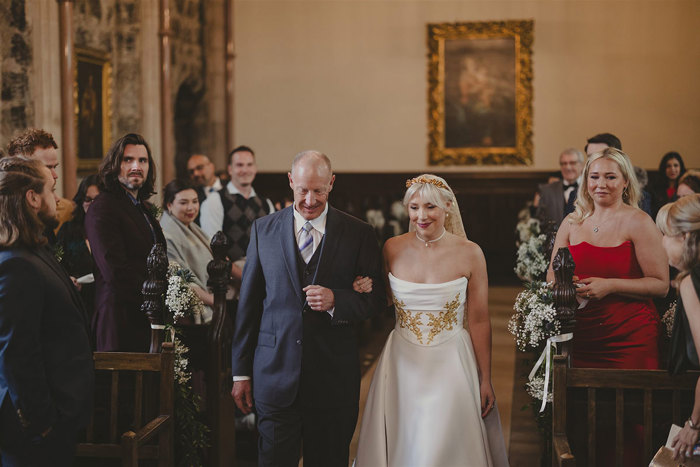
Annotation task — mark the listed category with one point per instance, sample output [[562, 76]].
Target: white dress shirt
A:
[[212, 211], [214, 188]]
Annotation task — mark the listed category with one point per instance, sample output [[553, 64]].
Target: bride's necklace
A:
[[428, 242]]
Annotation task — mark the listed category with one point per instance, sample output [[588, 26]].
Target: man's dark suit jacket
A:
[[552, 201], [46, 368], [287, 350], [121, 240]]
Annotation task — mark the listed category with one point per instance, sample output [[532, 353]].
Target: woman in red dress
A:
[[620, 266]]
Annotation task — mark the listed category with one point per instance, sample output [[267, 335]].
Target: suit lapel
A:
[[334, 232], [47, 257], [289, 250]]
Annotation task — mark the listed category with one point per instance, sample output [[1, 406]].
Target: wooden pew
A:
[[584, 398], [136, 421]]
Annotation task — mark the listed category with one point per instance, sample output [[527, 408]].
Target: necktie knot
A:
[[571, 185], [307, 227]]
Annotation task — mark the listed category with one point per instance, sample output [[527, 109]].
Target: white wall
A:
[[348, 77]]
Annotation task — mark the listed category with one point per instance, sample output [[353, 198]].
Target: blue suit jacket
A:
[[46, 368], [286, 350]]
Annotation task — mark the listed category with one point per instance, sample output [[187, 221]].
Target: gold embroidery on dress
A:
[[408, 320], [443, 320]]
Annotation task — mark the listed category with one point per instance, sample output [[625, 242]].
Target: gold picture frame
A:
[[92, 95], [480, 93]]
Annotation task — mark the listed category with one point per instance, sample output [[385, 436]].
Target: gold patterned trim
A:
[[444, 319], [408, 320]]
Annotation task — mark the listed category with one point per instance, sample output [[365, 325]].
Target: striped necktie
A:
[[306, 242]]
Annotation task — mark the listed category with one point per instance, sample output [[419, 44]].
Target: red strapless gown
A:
[[617, 331]]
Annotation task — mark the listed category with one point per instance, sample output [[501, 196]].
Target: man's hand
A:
[[242, 393], [77, 284], [319, 298]]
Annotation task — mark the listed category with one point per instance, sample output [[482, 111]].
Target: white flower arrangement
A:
[[534, 320], [531, 263], [180, 299], [536, 387], [669, 317], [182, 373], [527, 228]]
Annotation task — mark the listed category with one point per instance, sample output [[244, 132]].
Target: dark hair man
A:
[[121, 232], [203, 175], [601, 141], [234, 208], [39, 144], [46, 369]]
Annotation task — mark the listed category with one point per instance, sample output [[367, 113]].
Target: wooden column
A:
[[68, 133], [166, 102], [229, 56]]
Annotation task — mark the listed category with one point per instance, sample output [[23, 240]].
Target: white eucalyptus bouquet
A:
[[180, 299], [531, 263], [534, 320]]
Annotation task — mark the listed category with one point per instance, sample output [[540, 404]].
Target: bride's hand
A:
[[488, 398], [362, 284]]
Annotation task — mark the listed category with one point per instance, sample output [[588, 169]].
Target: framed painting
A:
[[93, 103], [480, 93]]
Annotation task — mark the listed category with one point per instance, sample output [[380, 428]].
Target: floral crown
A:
[[424, 179]]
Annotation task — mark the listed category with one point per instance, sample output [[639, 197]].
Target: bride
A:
[[431, 402]]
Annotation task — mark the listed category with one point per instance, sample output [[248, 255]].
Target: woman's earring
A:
[[447, 214]]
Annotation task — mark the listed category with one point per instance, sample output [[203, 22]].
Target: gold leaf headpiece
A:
[[424, 179]]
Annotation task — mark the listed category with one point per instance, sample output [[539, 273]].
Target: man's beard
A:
[[50, 222], [130, 186]]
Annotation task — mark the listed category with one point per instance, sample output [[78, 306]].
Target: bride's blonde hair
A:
[[435, 190], [584, 205]]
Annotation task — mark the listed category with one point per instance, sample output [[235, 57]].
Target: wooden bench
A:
[[133, 415], [584, 399]]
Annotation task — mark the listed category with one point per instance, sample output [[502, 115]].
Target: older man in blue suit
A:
[[294, 326], [46, 370]]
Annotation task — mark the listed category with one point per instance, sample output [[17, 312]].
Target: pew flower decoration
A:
[[191, 434], [534, 320], [669, 317], [531, 264], [527, 226], [180, 299], [535, 387]]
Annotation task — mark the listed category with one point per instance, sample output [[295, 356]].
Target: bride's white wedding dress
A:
[[424, 404]]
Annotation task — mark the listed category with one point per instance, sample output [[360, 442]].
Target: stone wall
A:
[[114, 27], [16, 100]]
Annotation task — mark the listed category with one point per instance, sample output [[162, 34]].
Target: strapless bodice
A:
[[428, 314]]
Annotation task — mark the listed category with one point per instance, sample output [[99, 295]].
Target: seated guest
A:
[[620, 267], [689, 183], [680, 224], [77, 258], [556, 199], [671, 169], [188, 245], [46, 368], [643, 179]]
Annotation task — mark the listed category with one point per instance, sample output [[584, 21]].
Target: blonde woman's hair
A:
[[584, 205], [435, 190], [683, 217]]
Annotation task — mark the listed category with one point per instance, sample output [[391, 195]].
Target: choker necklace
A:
[[428, 242]]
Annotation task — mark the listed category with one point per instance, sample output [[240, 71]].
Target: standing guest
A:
[[46, 369], [203, 176], [557, 198], [680, 224], [293, 332], [689, 183], [620, 267], [645, 198], [601, 141], [188, 245], [77, 258], [671, 169], [234, 208], [39, 144], [121, 232]]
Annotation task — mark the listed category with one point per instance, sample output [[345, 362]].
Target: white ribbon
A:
[[159, 327], [547, 354]]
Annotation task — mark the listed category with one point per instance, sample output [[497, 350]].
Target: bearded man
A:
[[121, 231]]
